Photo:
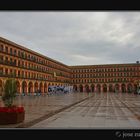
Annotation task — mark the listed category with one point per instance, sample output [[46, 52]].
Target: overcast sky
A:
[[76, 38]]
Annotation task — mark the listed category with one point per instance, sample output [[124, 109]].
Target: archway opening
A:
[[92, 88], [129, 88], [116, 89], [45, 88], [75, 88], [30, 87], [104, 88], [81, 88], [36, 87], [24, 87], [98, 88], [41, 88], [87, 88], [110, 88], [123, 87]]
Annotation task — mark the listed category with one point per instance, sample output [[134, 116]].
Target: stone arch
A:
[[123, 88], [129, 88], [24, 87], [98, 88], [36, 86], [75, 88], [45, 87], [110, 88], [116, 88], [41, 87], [81, 88], [30, 87], [92, 88], [87, 88], [17, 86], [104, 88]]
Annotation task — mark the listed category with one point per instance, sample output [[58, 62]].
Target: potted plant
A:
[[10, 114]]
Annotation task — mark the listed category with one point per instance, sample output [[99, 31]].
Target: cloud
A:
[[76, 37]]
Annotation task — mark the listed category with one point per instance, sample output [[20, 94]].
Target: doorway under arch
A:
[[24, 87], [75, 88], [87, 88], [104, 88], [92, 88], [129, 88], [81, 88], [30, 87], [116, 88], [123, 88], [110, 88], [98, 88]]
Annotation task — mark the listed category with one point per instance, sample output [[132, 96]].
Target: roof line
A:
[[29, 50]]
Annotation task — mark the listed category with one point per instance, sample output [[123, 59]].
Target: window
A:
[[25, 55], [6, 59], [1, 70], [18, 73], [11, 51], [22, 73], [15, 61], [6, 49], [22, 54], [23, 63], [1, 58], [14, 72], [11, 71], [10, 60], [18, 62], [6, 71], [1, 47], [15, 52], [19, 53]]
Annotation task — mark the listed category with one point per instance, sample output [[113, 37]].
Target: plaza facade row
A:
[[35, 72], [106, 78]]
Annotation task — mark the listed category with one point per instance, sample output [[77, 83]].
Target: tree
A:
[[9, 92]]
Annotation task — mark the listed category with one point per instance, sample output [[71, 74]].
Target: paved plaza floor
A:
[[38, 108], [102, 110]]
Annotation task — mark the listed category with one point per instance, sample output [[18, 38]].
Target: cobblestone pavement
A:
[[103, 110], [38, 108]]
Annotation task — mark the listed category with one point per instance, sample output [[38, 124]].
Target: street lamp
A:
[[138, 88]]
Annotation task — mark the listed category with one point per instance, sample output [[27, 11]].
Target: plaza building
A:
[[35, 72], [106, 78]]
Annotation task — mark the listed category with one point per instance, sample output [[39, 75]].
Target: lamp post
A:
[[138, 82]]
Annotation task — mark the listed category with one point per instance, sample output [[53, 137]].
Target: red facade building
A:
[[106, 78]]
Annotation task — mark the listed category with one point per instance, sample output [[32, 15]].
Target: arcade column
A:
[[107, 88], [27, 89], [101, 88], [20, 89], [119, 88], [95, 89], [84, 89]]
